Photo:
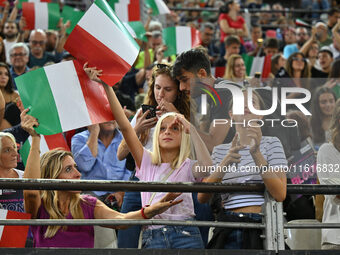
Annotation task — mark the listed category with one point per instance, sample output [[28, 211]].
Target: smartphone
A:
[[152, 109]]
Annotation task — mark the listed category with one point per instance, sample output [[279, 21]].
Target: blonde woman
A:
[[52, 204], [168, 162], [235, 69]]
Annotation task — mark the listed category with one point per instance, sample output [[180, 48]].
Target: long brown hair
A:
[[335, 126], [305, 73], [181, 103]]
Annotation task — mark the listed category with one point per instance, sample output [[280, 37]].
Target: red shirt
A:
[[237, 24]]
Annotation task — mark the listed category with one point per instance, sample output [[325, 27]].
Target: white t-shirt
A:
[[328, 162]]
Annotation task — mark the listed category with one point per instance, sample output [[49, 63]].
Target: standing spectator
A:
[[231, 23], [328, 156], [19, 58], [11, 32]]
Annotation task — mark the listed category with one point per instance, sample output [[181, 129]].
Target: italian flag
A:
[[62, 98], [102, 40], [32, 1], [13, 236], [180, 39], [47, 143], [136, 29], [126, 10], [73, 15], [300, 22], [158, 7], [41, 15], [257, 64], [218, 71]]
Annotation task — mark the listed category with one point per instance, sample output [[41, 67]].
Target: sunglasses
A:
[[161, 66], [299, 59]]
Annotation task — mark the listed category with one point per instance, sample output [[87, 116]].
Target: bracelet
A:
[[143, 214]]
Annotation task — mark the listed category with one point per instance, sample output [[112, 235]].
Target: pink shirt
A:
[[150, 172]]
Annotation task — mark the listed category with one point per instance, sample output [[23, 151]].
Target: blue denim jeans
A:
[[236, 236], [128, 238], [173, 237]]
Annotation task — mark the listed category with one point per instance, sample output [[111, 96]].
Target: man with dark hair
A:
[[11, 32], [207, 32], [192, 68], [333, 16], [302, 37], [232, 46], [270, 46], [252, 46]]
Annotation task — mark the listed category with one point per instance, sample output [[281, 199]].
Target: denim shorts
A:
[[173, 237], [236, 236]]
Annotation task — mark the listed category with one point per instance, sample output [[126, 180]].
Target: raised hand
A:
[[28, 123], [181, 120], [255, 134], [233, 156], [92, 72]]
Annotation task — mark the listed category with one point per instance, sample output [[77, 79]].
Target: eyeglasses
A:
[[41, 43], [299, 59], [18, 55]]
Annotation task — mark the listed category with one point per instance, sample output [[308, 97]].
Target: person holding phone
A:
[[168, 162], [163, 96], [250, 158]]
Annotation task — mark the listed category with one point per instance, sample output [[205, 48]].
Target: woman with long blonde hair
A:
[[61, 204], [235, 69]]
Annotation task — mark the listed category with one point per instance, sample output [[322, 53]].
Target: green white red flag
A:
[[257, 64], [126, 10], [136, 29], [32, 1], [102, 40], [41, 15], [62, 98], [47, 143], [13, 236], [158, 7], [180, 39], [73, 15]]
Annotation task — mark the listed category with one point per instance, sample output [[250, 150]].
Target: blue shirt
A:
[[15, 75], [105, 166], [289, 50]]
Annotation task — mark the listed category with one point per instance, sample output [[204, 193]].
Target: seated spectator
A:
[[301, 38], [207, 32], [12, 112], [325, 58], [335, 46], [252, 46], [52, 204], [311, 48], [333, 17], [322, 34], [278, 62], [2, 51], [323, 104], [270, 47], [19, 58], [51, 41], [10, 199], [334, 76], [95, 152], [232, 46], [328, 156], [38, 55], [235, 69]]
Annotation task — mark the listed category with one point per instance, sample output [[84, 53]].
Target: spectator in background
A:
[[232, 46], [278, 62], [301, 38], [311, 48], [95, 152], [270, 47], [252, 46], [322, 34], [325, 58], [11, 33], [333, 16], [19, 59], [207, 32], [2, 51], [289, 36], [12, 111], [231, 23], [235, 70], [323, 104], [334, 82], [51, 43], [37, 42], [328, 156]]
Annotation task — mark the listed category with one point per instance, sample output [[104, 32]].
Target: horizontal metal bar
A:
[[81, 222], [84, 185], [311, 225]]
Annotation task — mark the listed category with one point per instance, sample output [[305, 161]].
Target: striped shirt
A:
[[247, 172]]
